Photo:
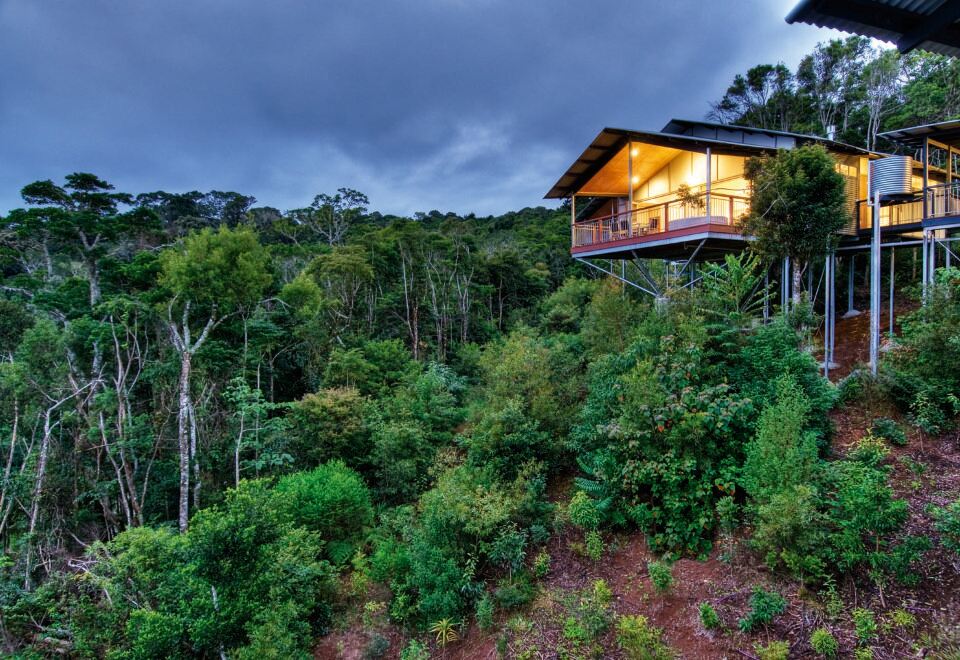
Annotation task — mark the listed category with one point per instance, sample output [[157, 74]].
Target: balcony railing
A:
[[943, 200], [891, 215], [659, 219]]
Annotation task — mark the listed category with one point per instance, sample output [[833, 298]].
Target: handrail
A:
[[660, 205], [660, 218]]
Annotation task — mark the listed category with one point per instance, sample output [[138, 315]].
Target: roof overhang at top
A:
[[946, 132], [719, 138], [930, 25]]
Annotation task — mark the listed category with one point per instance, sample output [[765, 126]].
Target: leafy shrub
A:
[[889, 430], [377, 647], [594, 545], [661, 576], [402, 452], [583, 511], [330, 425], [640, 641], [331, 500], [635, 435], [415, 650], [948, 524], [505, 438], [511, 594], [485, 612], [709, 618], [791, 531], [864, 624], [863, 653], [541, 564], [900, 618], [824, 643], [764, 606], [870, 450], [776, 650], [591, 615], [865, 515], [784, 453]]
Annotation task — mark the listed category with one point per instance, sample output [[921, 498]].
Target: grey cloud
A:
[[423, 104]]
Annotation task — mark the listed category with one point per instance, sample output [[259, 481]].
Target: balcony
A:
[[943, 200], [662, 221]]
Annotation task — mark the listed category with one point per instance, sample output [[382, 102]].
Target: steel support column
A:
[[875, 287], [829, 313], [851, 310], [892, 279]]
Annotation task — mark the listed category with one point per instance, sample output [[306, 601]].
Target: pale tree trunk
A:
[[796, 277], [183, 441], [186, 418], [39, 478], [5, 504]]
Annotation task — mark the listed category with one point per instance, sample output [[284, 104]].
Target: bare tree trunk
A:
[[183, 440], [195, 457], [38, 488], [9, 465], [797, 273], [236, 452]]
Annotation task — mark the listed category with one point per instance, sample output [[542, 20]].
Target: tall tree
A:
[[211, 275], [797, 206]]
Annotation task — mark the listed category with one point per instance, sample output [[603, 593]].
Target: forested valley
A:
[[231, 431]]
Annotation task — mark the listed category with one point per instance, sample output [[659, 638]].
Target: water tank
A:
[[892, 176]]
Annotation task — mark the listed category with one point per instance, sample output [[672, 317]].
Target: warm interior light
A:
[[635, 180], [635, 152]]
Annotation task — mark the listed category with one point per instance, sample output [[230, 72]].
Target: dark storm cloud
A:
[[450, 104]]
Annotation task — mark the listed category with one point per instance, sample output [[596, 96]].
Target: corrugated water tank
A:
[[891, 176]]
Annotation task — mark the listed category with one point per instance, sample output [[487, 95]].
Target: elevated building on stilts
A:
[[647, 206]]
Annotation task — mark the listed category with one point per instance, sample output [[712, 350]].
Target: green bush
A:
[[505, 438], [870, 450], [783, 454], [709, 618], [661, 576], [584, 512], [764, 606], [485, 612], [948, 524], [541, 564], [824, 643], [864, 624], [594, 545], [331, 500], [591, 615], [377, 647], [776, 650], [415, 650], [791, 531], [330, 425], [889, 430], [640, 641]]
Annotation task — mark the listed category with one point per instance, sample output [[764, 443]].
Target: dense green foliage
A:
[[223, 424]]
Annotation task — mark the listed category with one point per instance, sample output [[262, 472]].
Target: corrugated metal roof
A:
[[947, 132], [930, 25]]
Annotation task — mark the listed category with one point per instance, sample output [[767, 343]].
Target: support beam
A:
[[851, 310], [766, 295], [930, 26], [615, 276], [829, 313], [875, 287], [892, 280], [785, 285]]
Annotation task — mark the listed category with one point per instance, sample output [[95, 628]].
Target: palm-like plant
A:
[[446, 632]]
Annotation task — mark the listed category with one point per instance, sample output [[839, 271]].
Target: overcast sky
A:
[[462, 105]]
